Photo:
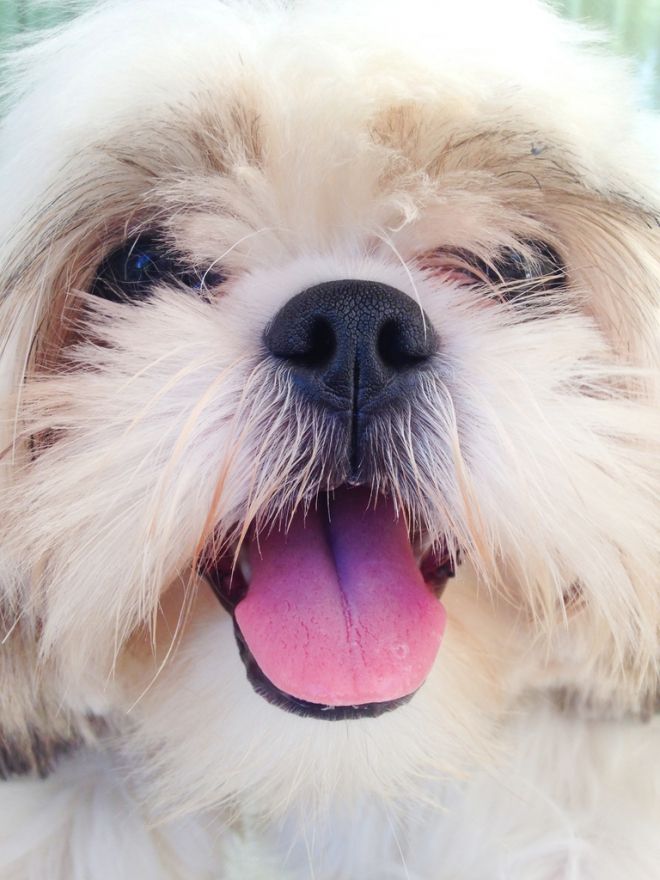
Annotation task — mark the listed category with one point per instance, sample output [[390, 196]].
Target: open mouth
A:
[[335, 616]]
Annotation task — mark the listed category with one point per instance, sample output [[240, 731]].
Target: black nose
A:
[[352, 345]]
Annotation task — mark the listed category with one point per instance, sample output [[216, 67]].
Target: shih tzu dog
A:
[[330, 513]]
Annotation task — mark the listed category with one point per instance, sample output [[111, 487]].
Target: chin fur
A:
[[149, 436]]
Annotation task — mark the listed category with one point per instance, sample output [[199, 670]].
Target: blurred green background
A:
[[633, 24]]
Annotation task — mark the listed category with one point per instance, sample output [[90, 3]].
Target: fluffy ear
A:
[[614, 640], [41, 713], [31, 729], [36, 723]]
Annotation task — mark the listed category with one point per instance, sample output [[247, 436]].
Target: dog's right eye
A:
[[129, 273]]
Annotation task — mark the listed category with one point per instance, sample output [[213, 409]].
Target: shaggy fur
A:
[[285, 144]]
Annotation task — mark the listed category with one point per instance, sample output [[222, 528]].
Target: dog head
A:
[[312, 312]]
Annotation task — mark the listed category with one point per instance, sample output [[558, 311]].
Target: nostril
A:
[[322, 344], [395, 349], [316, 348]]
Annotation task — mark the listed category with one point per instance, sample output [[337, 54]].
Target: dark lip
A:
[[230, 587]]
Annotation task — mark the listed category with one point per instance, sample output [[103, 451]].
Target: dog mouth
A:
[[336, 615]]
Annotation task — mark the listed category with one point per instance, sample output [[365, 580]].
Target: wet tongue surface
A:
[[337, 612]]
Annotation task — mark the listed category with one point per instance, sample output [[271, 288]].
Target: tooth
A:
[[244, 564]]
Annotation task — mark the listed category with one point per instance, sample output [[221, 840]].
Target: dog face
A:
[[310, 314]]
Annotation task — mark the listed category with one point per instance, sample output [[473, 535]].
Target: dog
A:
[[330, 519]]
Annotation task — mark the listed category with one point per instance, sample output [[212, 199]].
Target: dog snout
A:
[[352, 345]]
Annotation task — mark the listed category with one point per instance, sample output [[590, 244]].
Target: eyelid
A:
[[455, 265]]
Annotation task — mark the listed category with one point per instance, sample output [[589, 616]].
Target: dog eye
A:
[[515, 274], [539, 268], [129, 273]]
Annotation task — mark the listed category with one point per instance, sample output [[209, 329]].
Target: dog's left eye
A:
[[513, 275], [129, 273], [541, 266], [518, 273]]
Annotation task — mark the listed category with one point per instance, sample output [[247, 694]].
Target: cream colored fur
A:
[[290, 144]]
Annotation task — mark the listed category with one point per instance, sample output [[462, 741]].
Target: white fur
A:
[[290, 144], [533, 818]]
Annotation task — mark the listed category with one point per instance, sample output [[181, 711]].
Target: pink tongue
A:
[[337, 612]]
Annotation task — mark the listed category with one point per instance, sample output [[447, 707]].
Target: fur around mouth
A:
[[336, 617]]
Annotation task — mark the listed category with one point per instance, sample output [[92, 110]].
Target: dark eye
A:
[[538, 263], [514, 275], [130, 272], [518, 274]]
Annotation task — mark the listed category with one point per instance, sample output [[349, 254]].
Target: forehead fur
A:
[[470, 64], [286, 91]]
